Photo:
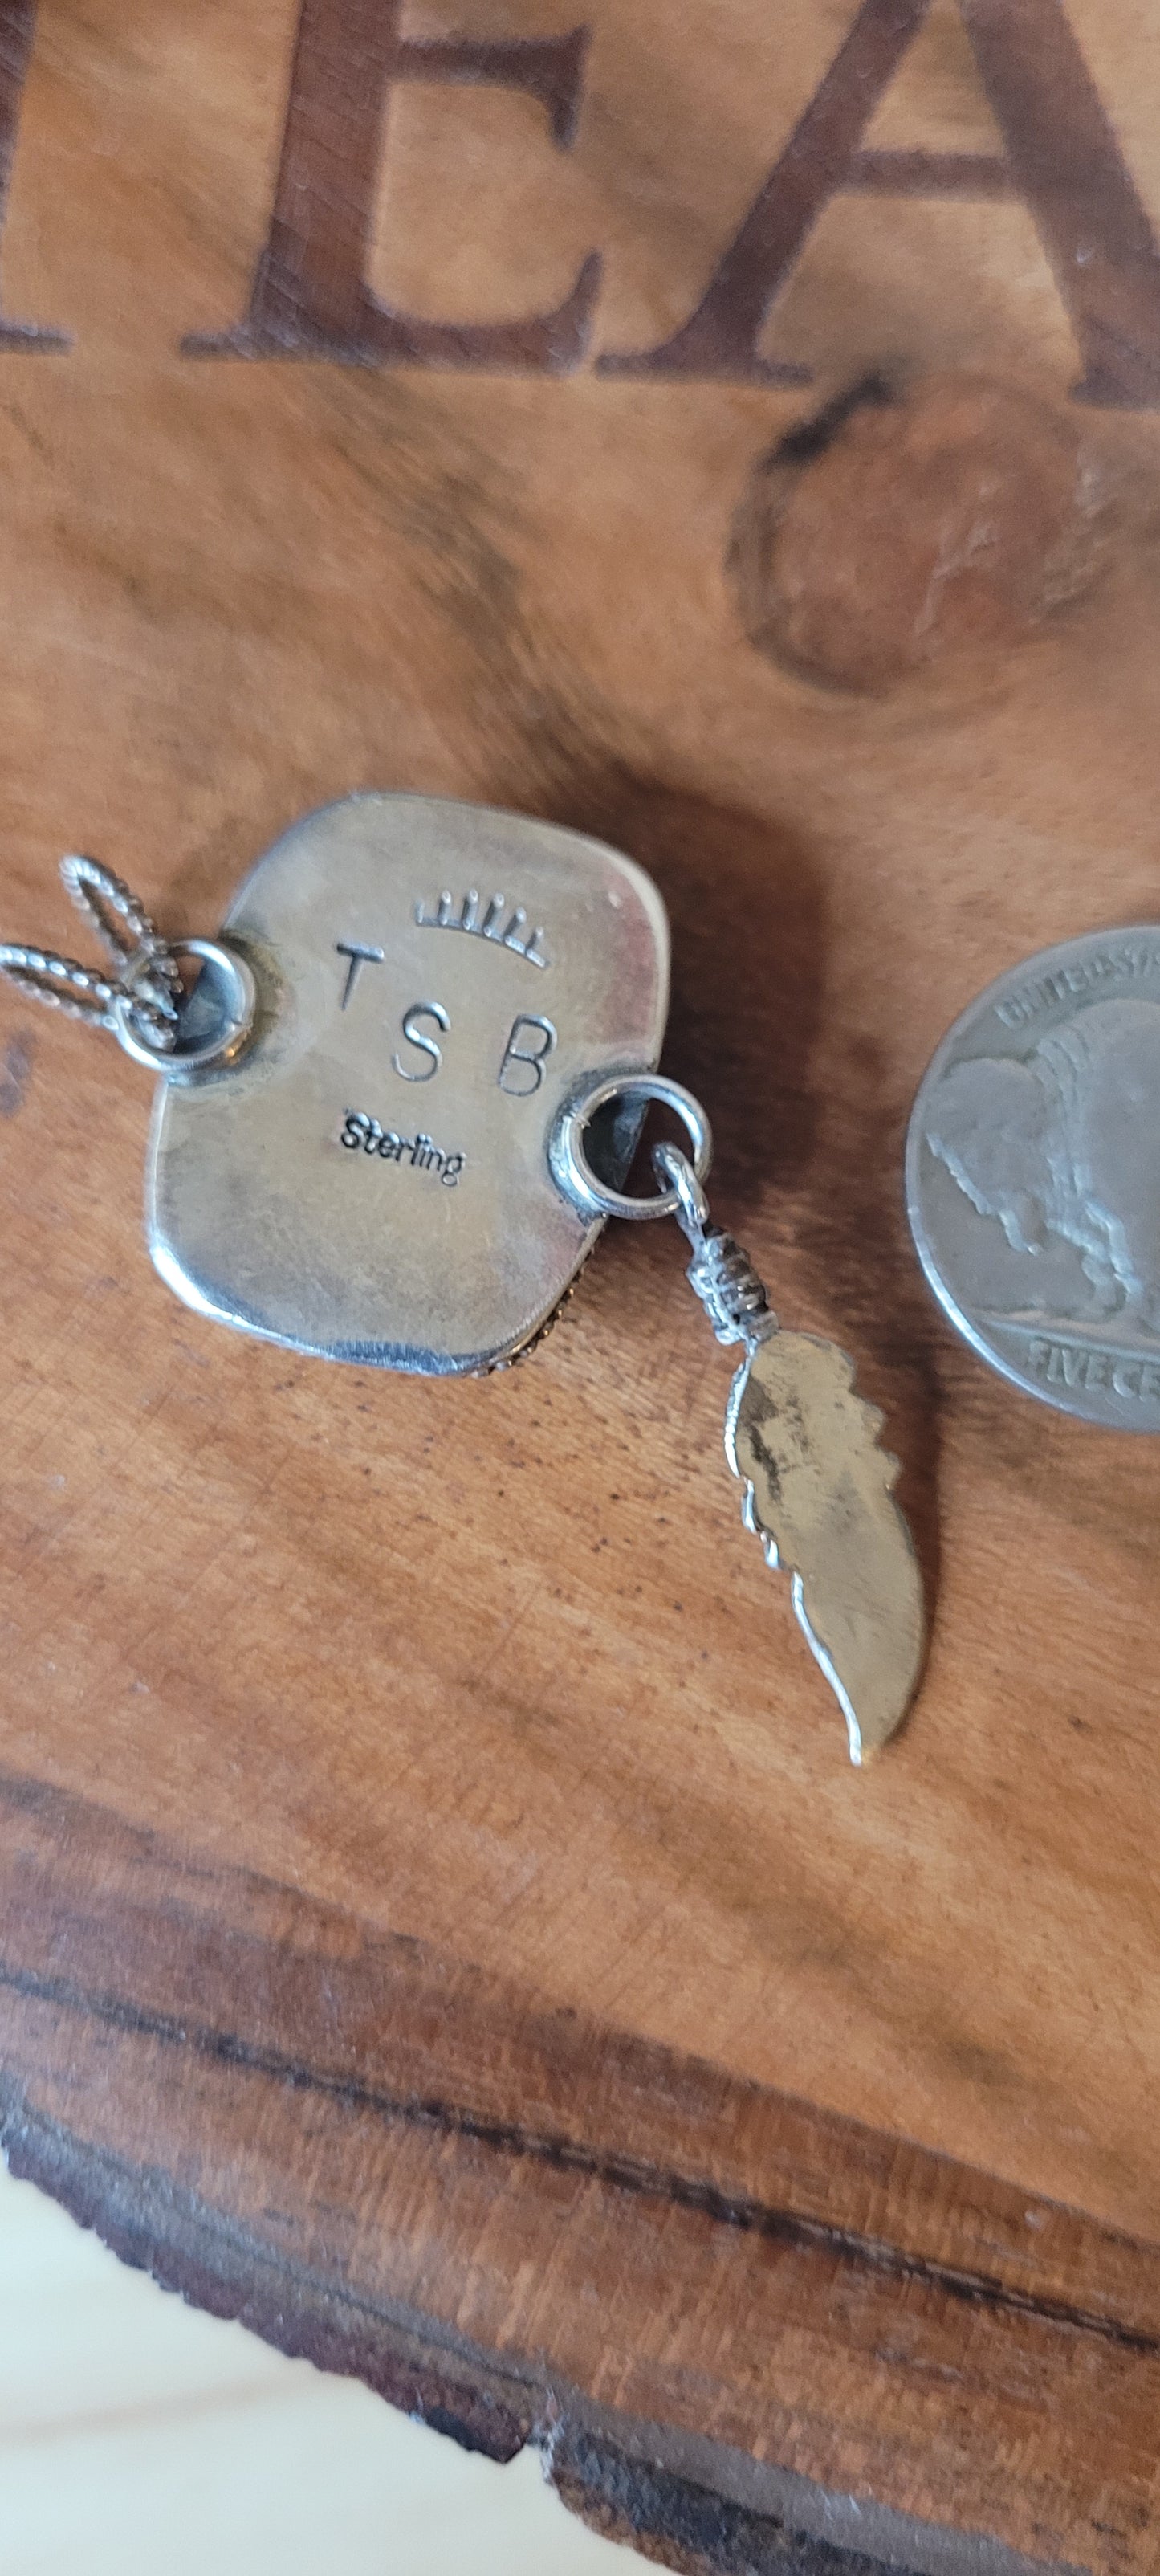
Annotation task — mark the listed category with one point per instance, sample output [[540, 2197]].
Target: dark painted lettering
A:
[[310, 297], [17, 28], [1061, 156]]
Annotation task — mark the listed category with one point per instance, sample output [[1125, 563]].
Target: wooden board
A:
[[439, 1921]]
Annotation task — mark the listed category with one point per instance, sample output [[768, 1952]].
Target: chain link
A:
[[153, 990]]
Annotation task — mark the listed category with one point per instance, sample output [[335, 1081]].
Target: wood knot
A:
[[952, 516]]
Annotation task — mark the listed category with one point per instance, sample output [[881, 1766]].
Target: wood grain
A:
[[491, 1669], [525, 2225]]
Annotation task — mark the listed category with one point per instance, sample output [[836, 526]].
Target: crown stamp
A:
[[486, 924]]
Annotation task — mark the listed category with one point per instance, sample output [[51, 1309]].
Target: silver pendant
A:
[[372, 1182], [398, 1105], [819, 1491], [1033, 1176]]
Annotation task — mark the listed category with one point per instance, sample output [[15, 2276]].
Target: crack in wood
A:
[[621, 2173]]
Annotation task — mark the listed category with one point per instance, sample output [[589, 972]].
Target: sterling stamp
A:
[[362, 1134]]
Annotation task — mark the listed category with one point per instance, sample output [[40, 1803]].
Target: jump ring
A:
[[570, 1159], [692, 1211], [221, 1045]]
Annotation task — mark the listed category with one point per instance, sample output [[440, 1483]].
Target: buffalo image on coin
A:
[[1062, 1144], [1034, 1177]]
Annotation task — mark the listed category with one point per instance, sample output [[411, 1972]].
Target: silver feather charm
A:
[[818, 1488], [818, 1493]]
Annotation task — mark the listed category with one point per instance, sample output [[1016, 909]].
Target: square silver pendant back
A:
[[371, 1181]]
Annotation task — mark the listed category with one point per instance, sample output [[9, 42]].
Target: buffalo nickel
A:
[[1033, 1176]]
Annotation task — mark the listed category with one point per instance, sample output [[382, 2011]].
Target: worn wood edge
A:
[[158, 2016], [83, 1893], [631, 2481], [638, 2493], [155, 2226]]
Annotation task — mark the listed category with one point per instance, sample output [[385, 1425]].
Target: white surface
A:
[[141, 2438]]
